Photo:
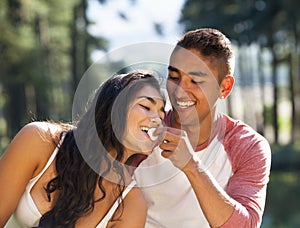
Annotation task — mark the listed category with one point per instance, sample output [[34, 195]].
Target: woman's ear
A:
[[226, 86]]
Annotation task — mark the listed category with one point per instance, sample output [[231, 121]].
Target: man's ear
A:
[[226, 86]]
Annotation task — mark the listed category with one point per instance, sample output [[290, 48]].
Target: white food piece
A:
[[150, 133]]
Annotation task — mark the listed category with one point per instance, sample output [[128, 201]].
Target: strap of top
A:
[[52, 157]]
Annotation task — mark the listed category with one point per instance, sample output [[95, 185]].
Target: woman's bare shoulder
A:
[[133, 214], [36, 140], [23, 159], [43, 130]]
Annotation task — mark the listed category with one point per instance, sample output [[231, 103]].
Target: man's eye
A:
[[172, 77], [145, 107]]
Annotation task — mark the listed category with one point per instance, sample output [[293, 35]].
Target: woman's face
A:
[[145, 111]]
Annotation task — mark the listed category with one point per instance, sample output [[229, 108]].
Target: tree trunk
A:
[[42, 83], [15, 108], [262, 121], [80, 42], [275, 94], [74, 37], [292, 97]]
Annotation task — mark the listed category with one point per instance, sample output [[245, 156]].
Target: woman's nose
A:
[[156, 121]]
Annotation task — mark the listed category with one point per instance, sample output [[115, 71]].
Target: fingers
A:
[[168, 146], [176, 147], [166, 154], [168, 133], [159, 133], [171, 139]]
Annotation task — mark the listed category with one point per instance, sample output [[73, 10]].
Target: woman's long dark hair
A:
[[76, 178]]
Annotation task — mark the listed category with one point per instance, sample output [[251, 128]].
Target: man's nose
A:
[[182, 88]]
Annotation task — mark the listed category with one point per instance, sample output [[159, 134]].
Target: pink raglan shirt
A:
[[245, 158], [250, 157]]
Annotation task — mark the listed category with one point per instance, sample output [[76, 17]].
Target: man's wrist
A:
[[194, 164]]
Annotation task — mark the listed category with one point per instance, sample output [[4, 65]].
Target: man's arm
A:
[[215, 203], [246, 187]]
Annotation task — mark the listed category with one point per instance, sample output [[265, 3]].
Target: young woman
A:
[[59, 175]]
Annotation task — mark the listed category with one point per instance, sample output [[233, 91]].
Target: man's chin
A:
[[185, 116]]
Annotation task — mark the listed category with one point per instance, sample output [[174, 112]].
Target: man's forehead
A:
[[188, 61]]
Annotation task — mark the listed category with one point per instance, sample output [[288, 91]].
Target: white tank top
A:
[[28, 215]]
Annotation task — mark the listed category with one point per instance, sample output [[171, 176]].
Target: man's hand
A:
[[177, 147]]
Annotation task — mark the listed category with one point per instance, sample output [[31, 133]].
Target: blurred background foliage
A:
[[45, 48]]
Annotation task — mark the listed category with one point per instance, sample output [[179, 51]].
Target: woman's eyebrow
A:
[[148, 98], [153, 101]]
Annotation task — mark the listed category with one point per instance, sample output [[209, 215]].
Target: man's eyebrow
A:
[[171, 68], [192, 73], [198, 73]]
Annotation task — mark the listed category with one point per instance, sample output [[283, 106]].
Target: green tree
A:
[[38, 65]]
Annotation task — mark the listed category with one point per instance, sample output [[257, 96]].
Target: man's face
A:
[[192, 86]]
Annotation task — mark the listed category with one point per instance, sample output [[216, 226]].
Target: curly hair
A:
[[76, 178]]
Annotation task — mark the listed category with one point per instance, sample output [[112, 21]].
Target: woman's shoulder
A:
[[29, 151], [34, 134], [136, 195], [134, 212], [37, 140], [43, 129]]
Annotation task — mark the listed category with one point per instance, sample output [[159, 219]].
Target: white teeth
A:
[[185, 104], [150, 133], [144, 128]]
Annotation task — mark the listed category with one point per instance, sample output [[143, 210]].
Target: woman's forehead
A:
[[149, 93]]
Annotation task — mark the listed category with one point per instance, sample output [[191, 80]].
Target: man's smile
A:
[[185, 104]]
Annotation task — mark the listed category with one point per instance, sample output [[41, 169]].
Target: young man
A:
[[211, 170]]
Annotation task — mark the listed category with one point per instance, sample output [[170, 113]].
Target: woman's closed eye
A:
[[197, 82], [145, 107], [161, 111]]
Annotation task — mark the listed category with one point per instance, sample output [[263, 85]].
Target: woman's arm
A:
[[134, 211], [21, 161]]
